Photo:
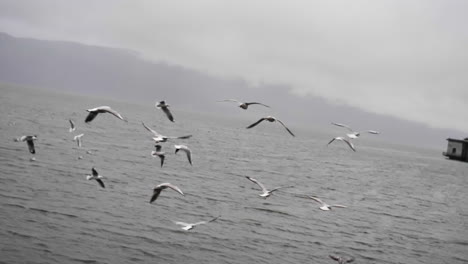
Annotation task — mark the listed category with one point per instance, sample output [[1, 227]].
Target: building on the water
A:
[[457, 149]]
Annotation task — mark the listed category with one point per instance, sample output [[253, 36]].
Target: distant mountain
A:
[[124, 75]]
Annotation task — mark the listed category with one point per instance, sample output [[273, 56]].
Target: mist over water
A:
[[405, 205]]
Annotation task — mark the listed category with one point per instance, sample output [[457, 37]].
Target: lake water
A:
[[405, 205]]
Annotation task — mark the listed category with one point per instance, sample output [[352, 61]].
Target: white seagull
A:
[[99, 110], [30, 141], [158, 138], [72, 126], [324, 206], [165, 107], [242, 104], [186, 150], [341, 260], [159, 153], [188, 226], [265, 192], [96, 177], [354, 134], [271, 119], [78, 139], [157, 190], [350, 144]]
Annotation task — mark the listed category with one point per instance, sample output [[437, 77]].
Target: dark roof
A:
[[458, 140]]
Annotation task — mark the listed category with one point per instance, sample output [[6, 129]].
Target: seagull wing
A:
[[162, 157], [95, 173], [72, 125], [350, 144], [101, 183], [275, 189], [91, 116], [182, 223], [285, 127], [168, 113], [187, 151], [214, 219], [230, 100], [331, 141], [373, 132], [316, 199], [334, 257], [338, 206], [156, 193], [251, 103], [78, 142], [343, 125], [151, 130], [256, 123], [31, 146], [173, 187], [258, 183], [351, 259], [199, 223], [113, 112], [184, 137]]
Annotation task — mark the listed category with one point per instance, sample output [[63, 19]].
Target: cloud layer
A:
[[407, 59]]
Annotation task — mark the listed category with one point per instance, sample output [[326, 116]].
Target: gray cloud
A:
[[407, 59]]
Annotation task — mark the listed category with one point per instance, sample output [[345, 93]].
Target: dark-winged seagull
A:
[[186, 150], [30, 141], [77, 138], [158, 138], [271, 119], [189, 226], [341, 260], [157, 190], [96, 177], [324, 206], [265, 192], [159, 153], [165, 107], [242, 104], [102, 109], [354, 134], [72, 126], [345, 140]]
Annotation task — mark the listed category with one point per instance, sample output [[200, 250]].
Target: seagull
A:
[[242, 104], [160, 138], [157, 190], [30, 141], [341, 260], [186, 150], [158, 153], [354, 134], [102, 109], [187, 226], [324, 206], [96, 177], [345, 140], [265, 191], [78, 139], [72, 126], [165, 107], [271, 119]]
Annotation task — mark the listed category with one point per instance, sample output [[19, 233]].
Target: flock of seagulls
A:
[[158, 138]]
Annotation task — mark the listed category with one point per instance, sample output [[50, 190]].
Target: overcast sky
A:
[[407, 59]]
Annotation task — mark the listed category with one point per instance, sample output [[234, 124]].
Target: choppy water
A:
[[406, 205]]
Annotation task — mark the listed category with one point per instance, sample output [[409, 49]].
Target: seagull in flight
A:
[[265, 192], [72, 126], [158, 189], [324, 206], [271, 119], [189, 226], [78, 139], [30, 141], [186, 150], [158, 138], [159, 153], [99, 110], [354, 134], [341, 260], [242, 104], [96, 177], [350, 144], [165, 107]]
